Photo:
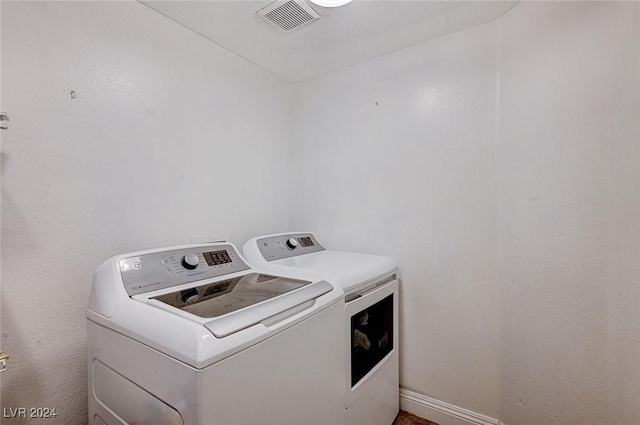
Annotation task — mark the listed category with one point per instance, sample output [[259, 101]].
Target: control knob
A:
[[190, 296], [292, 243], [190, 261]]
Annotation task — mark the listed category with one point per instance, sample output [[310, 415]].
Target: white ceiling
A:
[[343, 36]]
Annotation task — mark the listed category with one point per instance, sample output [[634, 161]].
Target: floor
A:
[[405, 418]]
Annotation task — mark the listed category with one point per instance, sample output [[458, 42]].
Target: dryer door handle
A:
[[368, 288]]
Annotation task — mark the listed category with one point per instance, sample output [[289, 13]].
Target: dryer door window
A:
[[371, 337]]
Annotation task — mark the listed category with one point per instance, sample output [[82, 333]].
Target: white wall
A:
[[555, 124], [396, 156], [499, 166], [168, 137], [623, 271]]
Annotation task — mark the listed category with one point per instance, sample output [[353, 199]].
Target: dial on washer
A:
[[292, 243], [190, 261]]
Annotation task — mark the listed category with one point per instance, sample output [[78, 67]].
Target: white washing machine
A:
[[370, 316], [192, 335]]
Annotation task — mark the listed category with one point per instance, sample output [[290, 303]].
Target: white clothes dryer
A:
[[192, 335], [370, 313]]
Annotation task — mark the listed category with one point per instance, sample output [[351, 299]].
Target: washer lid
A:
[[226, 296], [238, 303], [239, 320]]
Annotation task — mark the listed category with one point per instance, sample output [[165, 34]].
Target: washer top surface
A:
[[345, 269]]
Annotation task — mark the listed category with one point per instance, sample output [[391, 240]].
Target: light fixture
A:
[[330, 3]]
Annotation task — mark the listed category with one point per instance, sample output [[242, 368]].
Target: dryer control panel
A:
[[288, 245], [164, 269]]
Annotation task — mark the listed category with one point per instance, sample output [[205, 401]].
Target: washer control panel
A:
[[164, 269], [290, 245]]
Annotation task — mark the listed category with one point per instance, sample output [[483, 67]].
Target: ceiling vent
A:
[[289, 15]]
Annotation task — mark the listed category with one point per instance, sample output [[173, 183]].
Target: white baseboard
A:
[[441, 412]]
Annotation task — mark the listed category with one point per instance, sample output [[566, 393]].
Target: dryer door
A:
[[372, 335]]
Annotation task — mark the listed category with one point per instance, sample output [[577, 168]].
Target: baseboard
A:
[[441, 412]]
